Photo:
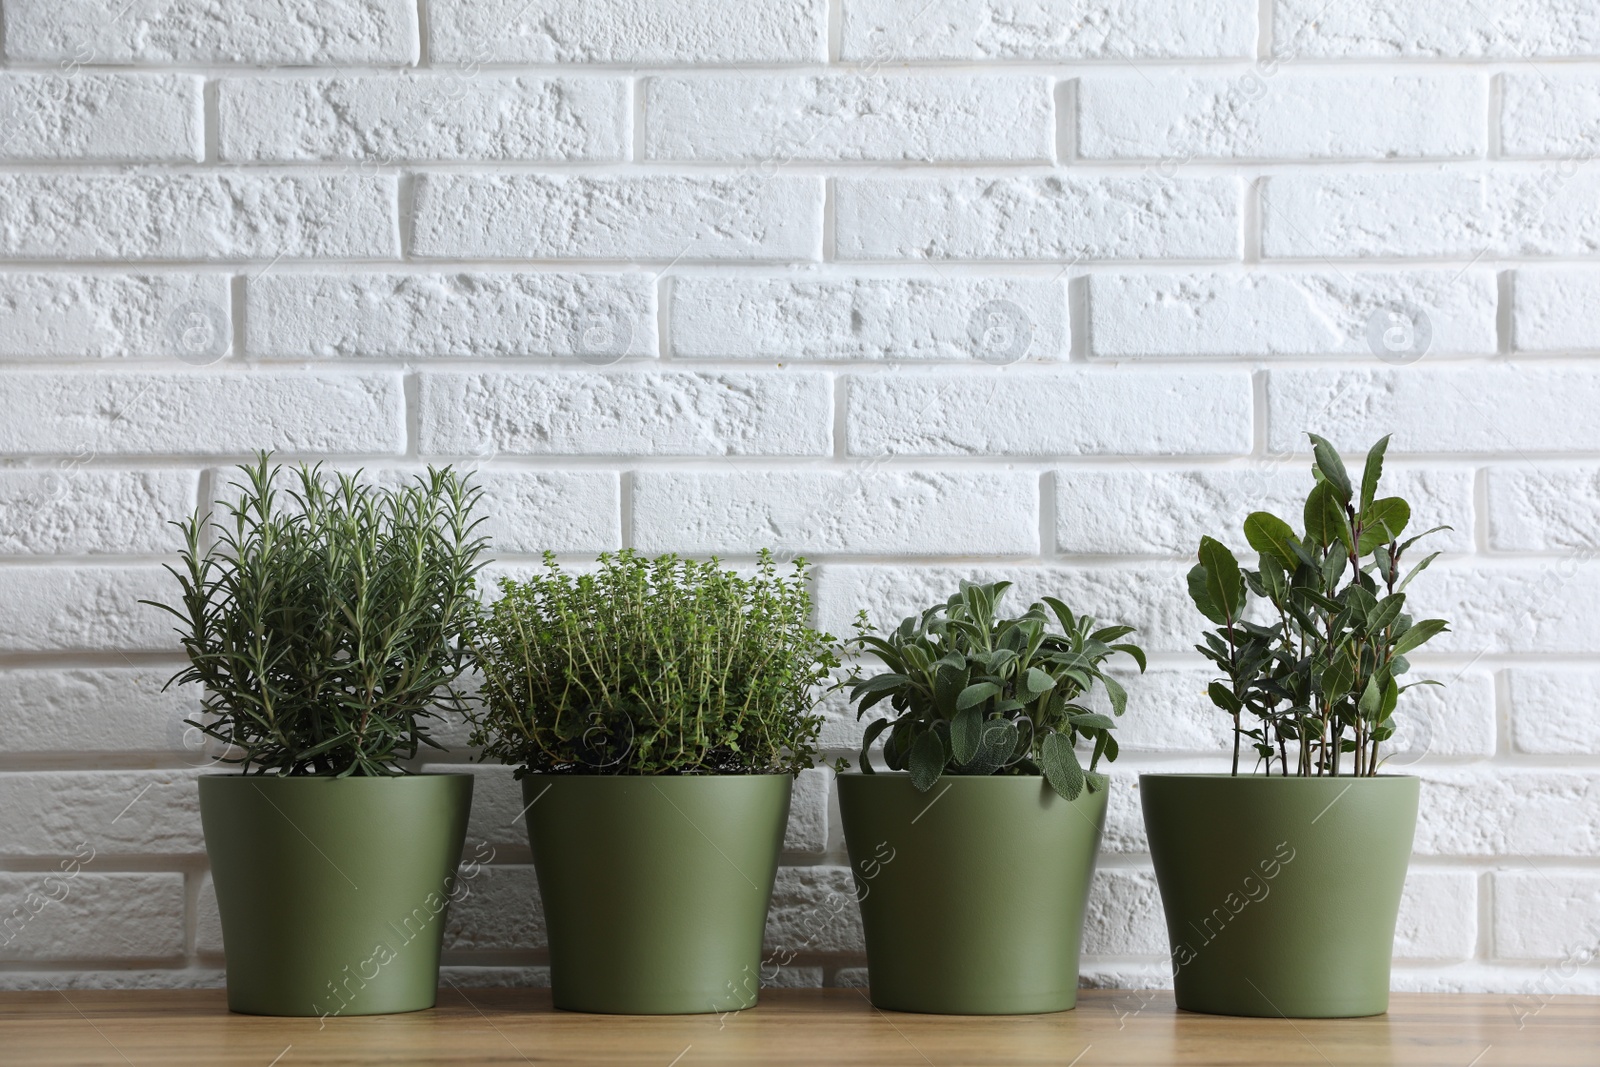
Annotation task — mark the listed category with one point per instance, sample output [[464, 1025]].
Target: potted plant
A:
[[1281, 889], [656, 711], [326, 626], [973, 861]]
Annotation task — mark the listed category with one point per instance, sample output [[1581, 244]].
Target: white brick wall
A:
[[1042, 290]]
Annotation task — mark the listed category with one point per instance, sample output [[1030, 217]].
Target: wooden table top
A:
[[814, 1026]]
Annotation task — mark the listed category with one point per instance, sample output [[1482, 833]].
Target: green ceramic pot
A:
[[1281, 894], [333, 891], [972, 894], [655, 888]]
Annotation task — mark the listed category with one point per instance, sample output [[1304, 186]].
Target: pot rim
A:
[[549, 776], [240, 776], [1329, 778], [1003, 781]]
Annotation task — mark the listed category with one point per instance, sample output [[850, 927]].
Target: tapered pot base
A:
[[655, 889], [1280, 894], [333, 893], [972, 894]]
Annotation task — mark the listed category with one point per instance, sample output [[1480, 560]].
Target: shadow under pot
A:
[[333, 892], [1281, 894], [655, 888], [972, 894]]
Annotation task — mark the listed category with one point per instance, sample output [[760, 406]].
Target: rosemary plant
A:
[[326, 633], [652, 666], [976, 694], [1321, 676]]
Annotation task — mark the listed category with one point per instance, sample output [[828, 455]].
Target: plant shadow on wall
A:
[[1311, 676], [326, 623], [656, 711], [992, 819]]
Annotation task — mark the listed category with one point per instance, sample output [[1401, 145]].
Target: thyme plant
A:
[[326, 622], [652, 666], [1320, 677], [976, 694]]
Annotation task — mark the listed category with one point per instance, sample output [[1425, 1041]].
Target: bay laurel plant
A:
[[326, 620], [1316, 674], [652, 666], [973, 693]]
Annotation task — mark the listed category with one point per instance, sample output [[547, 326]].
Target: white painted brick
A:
[[200, 413], [741, 128], [527, 216], [67, 510], [1152, 597], [850, 978], [1543, 914], [85, 608], [1168, 709], [1456, 213], [382, 119], [1549, 114], [1170, 712], [208, 919], [869, 318], [527, 512], [1128, 511], [88, 316], [1531, 986], [115, 813], [1553, 709], [497, 909], [1124, 916], [863, 511], [895, 30], [87, 915], [1543, 507], [808, 812], [195, 216], [1505, 408], [114, 977], [1291, 116], [95, 709], [841, 730], [775, 977], [1510, 812], [552, 511], [1054, 218], [250, 32], [121, 118], [1438, 916], [496, 977], [645, 32], [856, 116], [665, 414], [1553, 606], [1284, 314], [1435, 29], [813, 911], [1556, 309], [1456, 720], [467, 315], [1124, 829], [1063, 412]]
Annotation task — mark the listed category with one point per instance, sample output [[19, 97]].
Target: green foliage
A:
[[975, 694], [1321, 678], [652, 666], [328, 632]]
